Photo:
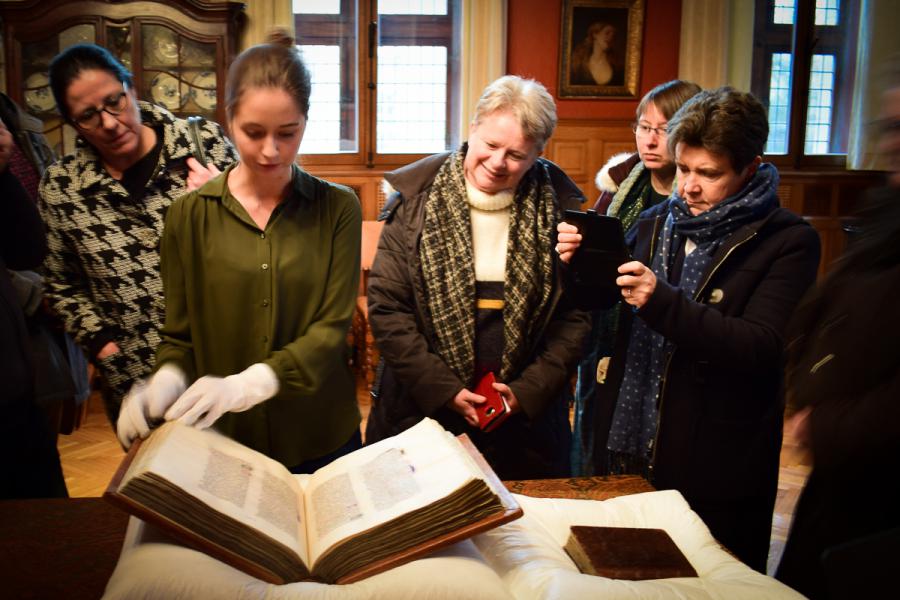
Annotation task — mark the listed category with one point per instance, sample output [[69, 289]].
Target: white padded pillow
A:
[[150, 566], [529, 555]]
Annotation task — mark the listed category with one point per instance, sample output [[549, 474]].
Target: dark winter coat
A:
[[28, 449], [28, 132], [721, 403], [415, 381], [844, 365]]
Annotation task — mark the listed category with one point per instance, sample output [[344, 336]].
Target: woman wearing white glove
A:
[[147, 402], [261, 269]]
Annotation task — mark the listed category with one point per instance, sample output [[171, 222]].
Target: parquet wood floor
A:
[[91, 454]]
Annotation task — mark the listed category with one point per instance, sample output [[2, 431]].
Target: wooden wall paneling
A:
[[832, 238], [380, 197], [789, 199], [827, 200], [818, 200], [582, 147], [366, 184], [850, 193]]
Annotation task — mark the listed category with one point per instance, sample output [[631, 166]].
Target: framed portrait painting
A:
[[600, 53]]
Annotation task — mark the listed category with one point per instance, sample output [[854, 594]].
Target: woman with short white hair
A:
[[465, 283]]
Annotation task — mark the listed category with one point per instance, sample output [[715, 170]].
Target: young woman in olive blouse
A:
[[260, 268]]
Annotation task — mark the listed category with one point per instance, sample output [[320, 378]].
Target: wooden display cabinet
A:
[[178, 52]]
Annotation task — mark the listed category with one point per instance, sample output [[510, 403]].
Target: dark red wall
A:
[[533, 36]]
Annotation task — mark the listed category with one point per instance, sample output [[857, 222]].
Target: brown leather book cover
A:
[[231, 553], [627, 553]]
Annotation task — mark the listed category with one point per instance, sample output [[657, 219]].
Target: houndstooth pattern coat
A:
[[103, 263]]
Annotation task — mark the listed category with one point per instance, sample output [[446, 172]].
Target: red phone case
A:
[[494, 410]]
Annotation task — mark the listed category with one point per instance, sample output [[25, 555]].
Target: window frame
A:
[[440, 28], [802, 43]]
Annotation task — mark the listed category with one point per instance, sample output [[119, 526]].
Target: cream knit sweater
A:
[[489, 214]]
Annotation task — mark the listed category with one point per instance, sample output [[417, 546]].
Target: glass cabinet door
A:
[[178, 73], [36, 95], [176, 50]]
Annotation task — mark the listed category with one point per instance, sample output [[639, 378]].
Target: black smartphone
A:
[[595, 265]]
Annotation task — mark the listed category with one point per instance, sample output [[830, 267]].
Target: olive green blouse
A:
[[284, 295]]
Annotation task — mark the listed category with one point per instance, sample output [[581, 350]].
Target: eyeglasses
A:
[[642, 130], [114, 105]]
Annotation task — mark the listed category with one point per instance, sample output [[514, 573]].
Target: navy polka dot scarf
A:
[[635, 418]]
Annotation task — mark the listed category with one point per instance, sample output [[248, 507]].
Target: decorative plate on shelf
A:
[[166, 91], [38, 97], [163, 45], [204, 90], [197, 54]]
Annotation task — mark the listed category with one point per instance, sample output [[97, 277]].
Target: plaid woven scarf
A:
[[449, 273]]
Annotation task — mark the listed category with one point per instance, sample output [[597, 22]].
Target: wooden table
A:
[[68, 548], [584, 488], [58, 548]]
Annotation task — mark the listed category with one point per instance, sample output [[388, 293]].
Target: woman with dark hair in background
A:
[[261, 272], [632, 182], [104, 207], [693, 399], [629, 183]]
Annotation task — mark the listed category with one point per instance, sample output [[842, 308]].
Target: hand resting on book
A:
[[211, 397], [147, 402]]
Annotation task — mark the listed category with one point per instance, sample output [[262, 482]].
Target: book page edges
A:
[[440, 465], [192, 539], [177, 531], [510, 512], [114, 483]]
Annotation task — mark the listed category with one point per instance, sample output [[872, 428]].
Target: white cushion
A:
[[523, 559], [529, 556], [150, 566]]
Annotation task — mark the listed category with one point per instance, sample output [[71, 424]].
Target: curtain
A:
[[877, 52], [704, 50], [483, 56], [262, 16]]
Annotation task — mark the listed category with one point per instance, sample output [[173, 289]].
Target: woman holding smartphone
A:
[[693, 399]]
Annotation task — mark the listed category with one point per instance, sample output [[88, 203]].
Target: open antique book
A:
[[368, 511]]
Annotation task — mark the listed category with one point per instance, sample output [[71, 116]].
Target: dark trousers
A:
[[744, 528]]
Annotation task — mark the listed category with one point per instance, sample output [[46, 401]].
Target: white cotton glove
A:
[[210, 397], [147, 401]]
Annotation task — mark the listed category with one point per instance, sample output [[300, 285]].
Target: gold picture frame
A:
[[600, 48]]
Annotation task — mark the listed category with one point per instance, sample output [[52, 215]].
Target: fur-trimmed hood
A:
[[609, 177]]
